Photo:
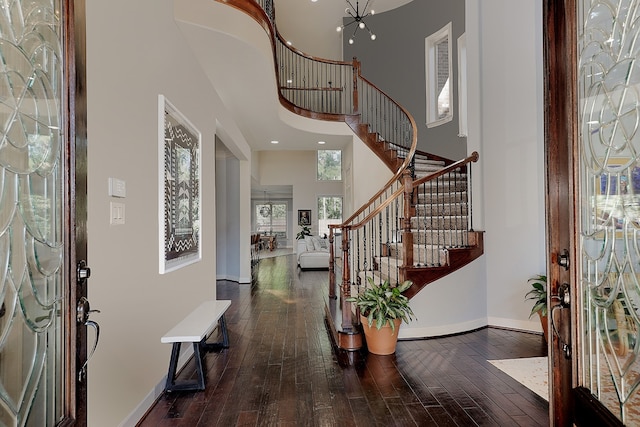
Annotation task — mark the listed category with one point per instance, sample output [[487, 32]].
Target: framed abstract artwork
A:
[[179, 189]]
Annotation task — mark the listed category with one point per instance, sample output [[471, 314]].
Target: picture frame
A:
[[179, 195], [304, 217]]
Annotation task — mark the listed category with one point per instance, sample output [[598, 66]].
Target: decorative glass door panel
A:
[[609, 203], [32, 347]]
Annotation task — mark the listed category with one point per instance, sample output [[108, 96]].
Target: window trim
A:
[[431, 66]]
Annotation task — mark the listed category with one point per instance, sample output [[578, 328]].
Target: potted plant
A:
[[385, 306], [538, 294], [304, 231]]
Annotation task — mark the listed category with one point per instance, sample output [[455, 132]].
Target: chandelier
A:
[[357, 19]]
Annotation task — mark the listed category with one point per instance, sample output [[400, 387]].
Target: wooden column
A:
[[347, 317]]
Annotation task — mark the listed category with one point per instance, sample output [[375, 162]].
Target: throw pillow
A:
[[309, 242], [316, 243]]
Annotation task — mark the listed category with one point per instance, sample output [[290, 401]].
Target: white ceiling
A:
[[311, 26]]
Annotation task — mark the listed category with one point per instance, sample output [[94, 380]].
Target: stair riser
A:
[[439, 223], [449, 186], [434, 198], [440, 237], [421, 255], [446, 209]]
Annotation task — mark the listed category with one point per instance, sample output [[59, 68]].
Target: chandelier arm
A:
[[345, 26], [365, 8], [354, 8]]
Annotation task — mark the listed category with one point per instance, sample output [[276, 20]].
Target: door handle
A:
[[82, 317]]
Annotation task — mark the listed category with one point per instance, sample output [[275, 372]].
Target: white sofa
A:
[[313, 252]]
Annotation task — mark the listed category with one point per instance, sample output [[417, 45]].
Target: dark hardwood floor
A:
[[281, 370]]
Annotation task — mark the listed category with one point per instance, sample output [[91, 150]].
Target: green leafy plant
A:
[[384, 303], [538, 294], [304, 231]]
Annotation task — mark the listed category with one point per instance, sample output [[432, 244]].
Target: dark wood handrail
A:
[[396, 176], [400, 191], [472, 158]]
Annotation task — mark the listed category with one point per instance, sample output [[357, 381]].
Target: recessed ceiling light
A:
[[321, 142], [275, 142]]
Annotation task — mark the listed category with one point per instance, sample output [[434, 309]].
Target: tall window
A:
[[438, 67], [271, 219], [329, 212], [329, 165]]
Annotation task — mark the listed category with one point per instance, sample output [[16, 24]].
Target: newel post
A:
[[407, 235], [345, 292], [332, 266]]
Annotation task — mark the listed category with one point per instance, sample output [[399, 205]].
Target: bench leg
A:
[[198, 349], [186, 385], [222, 324]]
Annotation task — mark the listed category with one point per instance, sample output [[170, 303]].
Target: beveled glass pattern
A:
[[609, 204], [31, 213]]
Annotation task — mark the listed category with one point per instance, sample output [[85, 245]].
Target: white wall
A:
[[368, 173], [505, 110], [506, 127], [134, 53], [297, 168], [230, 185]]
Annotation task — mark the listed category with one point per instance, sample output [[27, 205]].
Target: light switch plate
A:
[[116, 213], [117, 187]]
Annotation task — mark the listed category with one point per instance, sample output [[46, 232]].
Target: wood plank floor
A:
[[281, 370]]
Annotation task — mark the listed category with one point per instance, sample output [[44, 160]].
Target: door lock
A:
[[563, 259], [83, 272]]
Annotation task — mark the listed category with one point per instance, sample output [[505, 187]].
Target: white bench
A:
[[195, 328]]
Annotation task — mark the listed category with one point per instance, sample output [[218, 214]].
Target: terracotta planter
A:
[[381, 341]]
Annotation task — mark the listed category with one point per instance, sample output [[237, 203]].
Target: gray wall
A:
[[395, 63]]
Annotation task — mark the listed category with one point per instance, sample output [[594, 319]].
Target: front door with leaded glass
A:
[[608, 87], [39, 384]]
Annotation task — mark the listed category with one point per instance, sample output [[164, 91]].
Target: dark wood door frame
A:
[[74, 19], [559, 23]]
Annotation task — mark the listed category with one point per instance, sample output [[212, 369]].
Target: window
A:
[[271, 219], [329, 212], [329, 165], [438, 66]]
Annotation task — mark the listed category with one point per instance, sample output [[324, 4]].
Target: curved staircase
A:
[[419, 225]]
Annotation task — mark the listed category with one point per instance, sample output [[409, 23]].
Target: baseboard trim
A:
[[528, 326], [518, 325], [437, 331], [237, 279], [150, 399]]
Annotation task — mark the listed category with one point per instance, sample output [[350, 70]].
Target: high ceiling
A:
[[245, 79], [311, 26]]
